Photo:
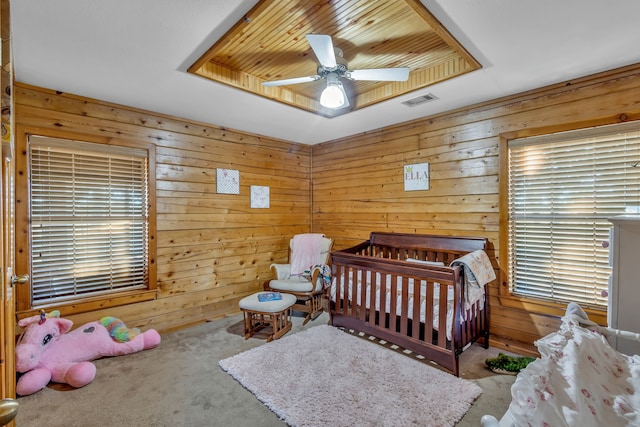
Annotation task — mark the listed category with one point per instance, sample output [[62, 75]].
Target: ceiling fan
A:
[[333, 68]]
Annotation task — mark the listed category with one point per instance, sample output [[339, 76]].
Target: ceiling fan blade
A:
[[323, 48], [292, 81], [380, 74]]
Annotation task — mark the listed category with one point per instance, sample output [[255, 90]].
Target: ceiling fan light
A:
[[332, 96]]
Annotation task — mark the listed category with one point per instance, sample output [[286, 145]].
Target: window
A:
[[90, 220], [562, 189]]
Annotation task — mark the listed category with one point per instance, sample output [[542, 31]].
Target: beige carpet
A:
[[179, 384], [324, 376]]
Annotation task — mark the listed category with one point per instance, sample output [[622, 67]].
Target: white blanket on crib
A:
[[436, 299], [478, 271], [580, 380]]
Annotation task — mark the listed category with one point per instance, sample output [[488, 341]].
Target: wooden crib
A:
[[375, 275]]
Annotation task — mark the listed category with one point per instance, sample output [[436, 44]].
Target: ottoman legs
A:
[[264, 309], [254, 321]]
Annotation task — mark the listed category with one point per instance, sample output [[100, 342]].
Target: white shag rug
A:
[[324, 376]]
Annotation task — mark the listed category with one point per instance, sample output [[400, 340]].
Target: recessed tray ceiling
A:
[[269, 43]]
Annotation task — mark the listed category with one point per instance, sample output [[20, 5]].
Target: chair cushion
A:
[[252, 303], [294, 283]]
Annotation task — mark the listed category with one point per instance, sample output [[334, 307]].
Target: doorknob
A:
[[8, 410], [21, 280]]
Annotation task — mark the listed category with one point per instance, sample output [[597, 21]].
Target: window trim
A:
[[505, 297], [23, 247]]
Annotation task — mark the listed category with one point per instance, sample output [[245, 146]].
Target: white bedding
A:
[[580, 380], [436, 299]]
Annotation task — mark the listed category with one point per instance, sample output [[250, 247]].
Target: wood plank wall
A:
[[358, 182], [212, 249]]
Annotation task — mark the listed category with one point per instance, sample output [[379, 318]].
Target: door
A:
[[8, 407], [8, 404]]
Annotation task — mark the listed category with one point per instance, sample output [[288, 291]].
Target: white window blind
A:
[[562, 189], [89, 219]]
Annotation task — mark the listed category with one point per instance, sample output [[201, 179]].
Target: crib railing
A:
[[388, 299]]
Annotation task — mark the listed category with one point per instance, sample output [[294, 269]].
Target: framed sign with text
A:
[[416, 177]]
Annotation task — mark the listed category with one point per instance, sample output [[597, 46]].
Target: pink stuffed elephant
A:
[[46, 352]]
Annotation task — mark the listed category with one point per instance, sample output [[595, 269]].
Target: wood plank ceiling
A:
[[269, 44]]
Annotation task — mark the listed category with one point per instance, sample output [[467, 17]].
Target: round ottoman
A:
[[275, 313]]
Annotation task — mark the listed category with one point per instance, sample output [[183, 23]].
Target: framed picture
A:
[[228, 181], [259, 197], [416, 177]]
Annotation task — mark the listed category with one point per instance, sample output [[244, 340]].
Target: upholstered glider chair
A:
[[303, 276]]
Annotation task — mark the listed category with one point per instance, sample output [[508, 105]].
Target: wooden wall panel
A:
[[358, 182], [212, 249]]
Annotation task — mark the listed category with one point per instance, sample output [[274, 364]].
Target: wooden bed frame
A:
[[386, 254]]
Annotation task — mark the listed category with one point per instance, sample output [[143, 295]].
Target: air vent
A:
[[420, 100]]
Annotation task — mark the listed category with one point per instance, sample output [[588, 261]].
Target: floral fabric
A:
[[324, 274], [580, 380]]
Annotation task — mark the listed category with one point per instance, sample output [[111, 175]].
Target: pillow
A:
[[419, 261]]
